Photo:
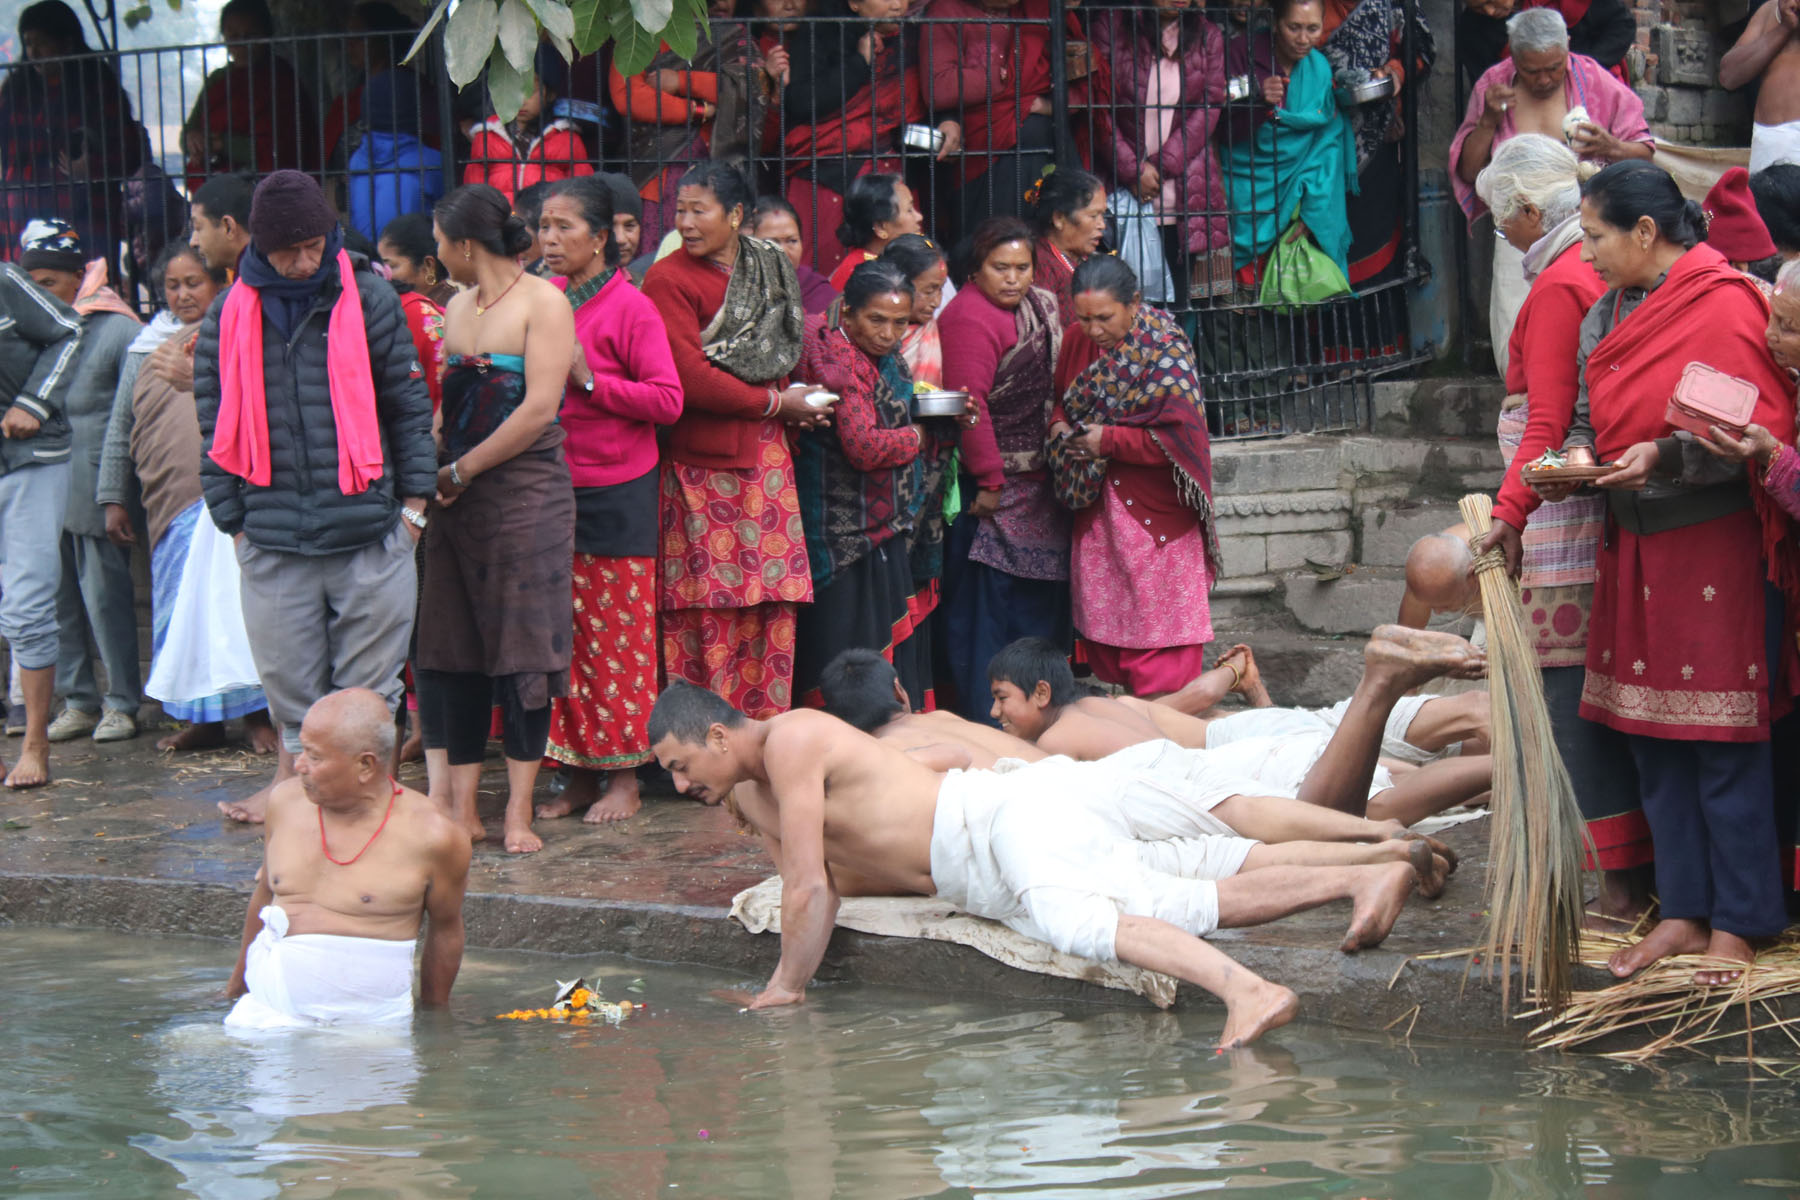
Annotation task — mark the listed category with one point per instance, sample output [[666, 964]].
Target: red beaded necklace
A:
[[384, 820]]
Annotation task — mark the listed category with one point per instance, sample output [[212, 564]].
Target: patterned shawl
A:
[[1019, 403], [1148, 381], [847, 511], [1369, 38], [756, 334]]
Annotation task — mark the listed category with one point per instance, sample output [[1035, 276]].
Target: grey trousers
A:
[[319, 624], [96, 595], [33, 500]]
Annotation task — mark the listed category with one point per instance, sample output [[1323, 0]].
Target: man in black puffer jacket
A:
[[319, 464]]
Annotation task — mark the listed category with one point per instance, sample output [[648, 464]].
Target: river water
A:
[[120, 1082]]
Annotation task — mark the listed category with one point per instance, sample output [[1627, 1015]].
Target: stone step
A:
[[1451, 407], [1352, 604], [1386, 532], [1300, 670]]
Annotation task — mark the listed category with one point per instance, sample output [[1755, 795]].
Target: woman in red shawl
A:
[[1129, 453], [1683, 646]]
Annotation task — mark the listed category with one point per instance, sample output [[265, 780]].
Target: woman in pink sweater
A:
[[622, 385]]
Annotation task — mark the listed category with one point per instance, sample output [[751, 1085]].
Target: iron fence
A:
[[114, 142]]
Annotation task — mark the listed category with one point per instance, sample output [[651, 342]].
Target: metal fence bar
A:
[[164, 118]]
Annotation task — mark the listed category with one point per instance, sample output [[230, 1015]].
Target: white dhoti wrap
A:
[[1060, 850], [314, 979], [1297, 722], [1772, 144]]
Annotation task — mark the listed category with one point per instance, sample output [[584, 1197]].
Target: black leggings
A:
[[456, 712]]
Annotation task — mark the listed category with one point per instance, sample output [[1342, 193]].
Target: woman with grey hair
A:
[[1533, 187]]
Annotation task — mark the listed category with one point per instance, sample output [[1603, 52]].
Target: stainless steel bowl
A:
[[941, 404], [1367, 92], [923, 138]]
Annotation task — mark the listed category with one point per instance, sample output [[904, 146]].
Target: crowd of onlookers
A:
[[1214, 132]]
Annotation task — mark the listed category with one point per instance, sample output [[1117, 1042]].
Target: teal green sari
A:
[[1302, 162]]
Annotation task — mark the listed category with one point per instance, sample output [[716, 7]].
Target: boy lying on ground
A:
[[1035, 698]]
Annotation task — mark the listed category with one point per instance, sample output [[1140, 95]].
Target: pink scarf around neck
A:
[[241, 439]]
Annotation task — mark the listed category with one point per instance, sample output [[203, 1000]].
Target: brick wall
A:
[[1675, 68]]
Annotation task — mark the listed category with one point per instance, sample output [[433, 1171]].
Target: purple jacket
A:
[[1131, 42]]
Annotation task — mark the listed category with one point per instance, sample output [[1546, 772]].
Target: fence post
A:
[[1059, 83], [446, 108]]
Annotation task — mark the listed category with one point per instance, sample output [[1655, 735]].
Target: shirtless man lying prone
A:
[[1090, 860], [862, 689]]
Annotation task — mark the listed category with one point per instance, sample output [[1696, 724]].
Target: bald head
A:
[[1437, 570], [356, 721]]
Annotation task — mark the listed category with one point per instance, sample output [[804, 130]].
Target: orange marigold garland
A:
[[577, 1003]]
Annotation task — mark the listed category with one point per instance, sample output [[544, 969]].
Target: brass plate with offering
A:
[[1553, 466]]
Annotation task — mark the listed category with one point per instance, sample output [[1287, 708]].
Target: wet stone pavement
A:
[[127, 838]]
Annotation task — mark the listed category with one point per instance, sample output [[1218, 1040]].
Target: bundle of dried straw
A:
[[1534, 869], [1660, 1009]]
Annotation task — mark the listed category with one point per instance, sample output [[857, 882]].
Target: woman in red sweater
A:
[[862, 484], [623, 385], [1006, 569], [1535, 191], [734, 567], [1130, 457]]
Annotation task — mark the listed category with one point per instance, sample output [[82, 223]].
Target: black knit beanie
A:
[[287, 209]]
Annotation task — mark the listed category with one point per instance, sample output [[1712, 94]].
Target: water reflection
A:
[[252, 1086], [862, 1093]]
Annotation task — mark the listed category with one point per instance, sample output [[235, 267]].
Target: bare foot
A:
[[1255, 1009], [202, 736], [1729, 946], [474, 828], [1432, 870], [1249, 684], [1598, 917], [520, 839], [1437, 848], [620, 801], [250, 811], [582, 790], [33, 768], [1675, 936], [413, 748], [1419, 657], [1378, 900], [260, 732]]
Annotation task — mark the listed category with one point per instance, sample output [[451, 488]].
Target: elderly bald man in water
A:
[[352, 861]]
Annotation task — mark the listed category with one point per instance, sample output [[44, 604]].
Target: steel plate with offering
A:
[[1367, 91], [1553, 466], [940, 404]]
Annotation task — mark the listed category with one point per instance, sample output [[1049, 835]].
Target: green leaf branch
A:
[[502, 37]]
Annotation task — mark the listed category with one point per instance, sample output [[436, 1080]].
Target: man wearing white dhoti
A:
[[1095, 861], [352, 862]]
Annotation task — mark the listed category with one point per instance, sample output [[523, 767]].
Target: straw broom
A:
[[1534, 870]]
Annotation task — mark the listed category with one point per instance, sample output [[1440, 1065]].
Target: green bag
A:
[[1299, 273]]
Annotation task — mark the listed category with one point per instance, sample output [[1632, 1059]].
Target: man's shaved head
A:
[[1437, 570], [357, 721]]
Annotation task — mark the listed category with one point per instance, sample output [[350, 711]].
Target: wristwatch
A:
[[415, 519]]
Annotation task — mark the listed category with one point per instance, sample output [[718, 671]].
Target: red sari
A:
[[1676, 643]]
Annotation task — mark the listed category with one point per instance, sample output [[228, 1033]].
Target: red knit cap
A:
[[1733, 226]]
